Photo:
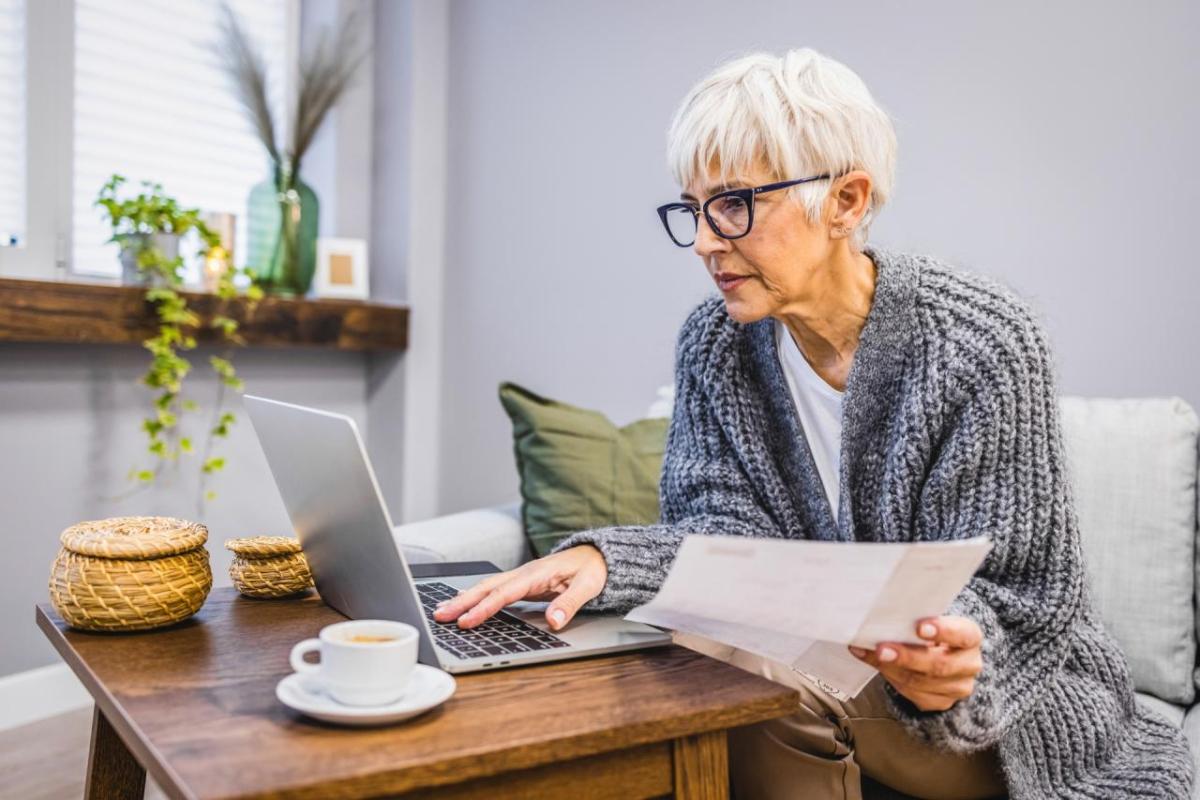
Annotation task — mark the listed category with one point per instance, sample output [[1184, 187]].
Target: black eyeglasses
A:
[[730, 214]]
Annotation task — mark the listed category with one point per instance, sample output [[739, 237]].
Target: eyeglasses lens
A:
[[681, 223], [731, 214]]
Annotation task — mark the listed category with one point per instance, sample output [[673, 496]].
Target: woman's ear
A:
[[853, 198]]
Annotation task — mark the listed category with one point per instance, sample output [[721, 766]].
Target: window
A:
[[151, 103], [12, 122]]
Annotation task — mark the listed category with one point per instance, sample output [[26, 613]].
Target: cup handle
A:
[[297, 658]]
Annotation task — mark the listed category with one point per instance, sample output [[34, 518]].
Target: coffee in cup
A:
[[369, 638], [364, 662]]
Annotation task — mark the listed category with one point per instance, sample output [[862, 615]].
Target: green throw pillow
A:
[[578, 470]]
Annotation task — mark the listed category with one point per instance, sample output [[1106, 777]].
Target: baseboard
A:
[[36, 694]]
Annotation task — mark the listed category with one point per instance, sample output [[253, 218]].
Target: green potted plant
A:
[[148, 227]]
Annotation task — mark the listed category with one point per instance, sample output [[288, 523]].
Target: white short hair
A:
[[801, 113]]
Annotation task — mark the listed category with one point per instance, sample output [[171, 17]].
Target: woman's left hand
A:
[[933, 676]]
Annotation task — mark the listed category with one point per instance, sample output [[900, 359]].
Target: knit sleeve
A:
[[703, 489], [1001, 471]]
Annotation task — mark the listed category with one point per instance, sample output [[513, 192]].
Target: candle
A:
[[220, 257], [215, 264]]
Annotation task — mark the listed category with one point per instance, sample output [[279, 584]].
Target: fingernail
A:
[[558, 617], [927, 630], [887, 654], [441, 603], [858, 651]]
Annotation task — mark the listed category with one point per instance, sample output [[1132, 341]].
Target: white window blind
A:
[[12, 122], [151, 103]]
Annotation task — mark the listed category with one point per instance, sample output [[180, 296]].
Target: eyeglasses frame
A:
[[747, 194]]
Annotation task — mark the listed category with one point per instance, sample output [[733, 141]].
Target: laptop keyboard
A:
[[502, 634]]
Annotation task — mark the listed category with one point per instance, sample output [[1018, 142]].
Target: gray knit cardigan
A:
[[950, 429]]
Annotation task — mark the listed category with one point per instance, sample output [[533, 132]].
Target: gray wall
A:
[[69, 433], [1050, 145]]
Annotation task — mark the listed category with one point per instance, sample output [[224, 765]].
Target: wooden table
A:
[[194, 705]]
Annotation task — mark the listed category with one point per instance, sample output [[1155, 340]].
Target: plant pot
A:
[[134, 243]]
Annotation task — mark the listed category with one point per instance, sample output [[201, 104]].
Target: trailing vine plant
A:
[[134, 221]]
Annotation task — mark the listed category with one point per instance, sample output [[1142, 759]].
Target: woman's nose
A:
[[706, 241]]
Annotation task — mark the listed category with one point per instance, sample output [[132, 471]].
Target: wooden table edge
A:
[[466, 767], [131, 736], [470, 768]]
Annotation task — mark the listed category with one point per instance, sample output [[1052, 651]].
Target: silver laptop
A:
[[330, 492]]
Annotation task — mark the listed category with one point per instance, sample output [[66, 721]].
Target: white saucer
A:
[[428, 687]]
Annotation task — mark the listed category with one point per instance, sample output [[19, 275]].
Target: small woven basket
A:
[[130, 573], [268, 566]]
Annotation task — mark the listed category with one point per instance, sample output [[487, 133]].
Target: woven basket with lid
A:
[[268, 566], [130, 573]]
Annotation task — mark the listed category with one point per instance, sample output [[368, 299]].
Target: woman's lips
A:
[[730, 282]]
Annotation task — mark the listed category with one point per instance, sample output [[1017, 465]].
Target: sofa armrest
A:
[[485, 534]]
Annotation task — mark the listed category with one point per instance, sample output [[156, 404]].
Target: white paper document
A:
[[801, 602]]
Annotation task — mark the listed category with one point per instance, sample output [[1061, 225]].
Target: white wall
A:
[[1050, 145]]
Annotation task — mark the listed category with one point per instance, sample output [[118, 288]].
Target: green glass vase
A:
[[281, 231]]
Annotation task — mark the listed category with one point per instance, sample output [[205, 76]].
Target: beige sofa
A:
[[1133, 465]]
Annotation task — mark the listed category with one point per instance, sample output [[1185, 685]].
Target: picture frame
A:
[[341, 269]]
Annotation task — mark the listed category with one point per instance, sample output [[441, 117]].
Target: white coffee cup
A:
[[364, 662]]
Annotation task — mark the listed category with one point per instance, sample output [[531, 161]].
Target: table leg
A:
[[112, 772], [701, 767]]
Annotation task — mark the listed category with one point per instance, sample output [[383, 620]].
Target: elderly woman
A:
[[840, 391]]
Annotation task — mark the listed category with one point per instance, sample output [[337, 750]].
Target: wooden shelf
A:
[[82, 312]]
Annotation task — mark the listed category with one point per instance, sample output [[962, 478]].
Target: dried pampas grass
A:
[[326, 71]]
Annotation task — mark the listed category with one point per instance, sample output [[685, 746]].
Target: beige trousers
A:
[[824, 749]]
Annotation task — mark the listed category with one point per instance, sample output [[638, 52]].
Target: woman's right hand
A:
[[568, 579]]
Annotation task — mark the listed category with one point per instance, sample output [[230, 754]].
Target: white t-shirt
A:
[[820, 408]]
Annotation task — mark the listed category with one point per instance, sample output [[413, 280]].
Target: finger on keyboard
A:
[[468, 598], [511, 591]]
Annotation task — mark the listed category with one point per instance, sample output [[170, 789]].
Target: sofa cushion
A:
[[1132, 464], [580, 471], [482, 534], [415, 554]]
